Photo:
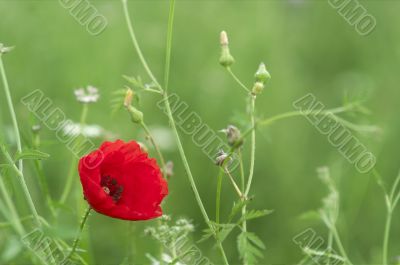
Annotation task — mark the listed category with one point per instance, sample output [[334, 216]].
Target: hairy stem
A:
[[237, 79], [172, 122], [339, 244], [25, 189], [38, 166], [12, 111], [169, 43], [253, 145], [241, 195], [304, 113], [155, 145], [78, 236], [218, 195], [136, 45], [14, 218], [386, 238]]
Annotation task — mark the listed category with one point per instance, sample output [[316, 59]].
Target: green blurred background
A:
[[306, 46]]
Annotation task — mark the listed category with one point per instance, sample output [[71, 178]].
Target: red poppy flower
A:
[[120, 180]]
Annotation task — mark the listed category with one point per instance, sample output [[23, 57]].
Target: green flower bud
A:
[[257, 88], [262, 75], [136, 115], [226, 58]]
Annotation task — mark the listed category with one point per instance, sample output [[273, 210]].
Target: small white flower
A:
[[88, 95], [91, 131], [4, 49]]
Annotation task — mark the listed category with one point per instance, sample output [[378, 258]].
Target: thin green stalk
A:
[[218, 196], [78, 236], [301, 113], [38, 166], [242, 180], [386, 238], [155, 145], [252, 157], [237, 79], [329, 248], [339, 244], [74, 160], [172, 123], [136, 45], [253, 145], [391, 204], [236, 187], [25, 189], [8, 224], [12, 111], [15, 220], [169, 43]]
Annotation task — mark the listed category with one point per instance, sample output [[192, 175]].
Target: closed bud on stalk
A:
[[262, 75], [136, 115], [226, 58], [257, 88]]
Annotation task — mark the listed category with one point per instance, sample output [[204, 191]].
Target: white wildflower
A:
[[88, 95]]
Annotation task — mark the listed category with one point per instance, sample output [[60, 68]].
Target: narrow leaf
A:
[[31, 154]]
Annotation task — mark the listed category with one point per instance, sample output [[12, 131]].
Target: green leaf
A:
[[207, 233], [136, 82], [31, 154], [237, 207], [253, 214], [310, 216], [224, 231], [256, 240], [5, 166], [249, 247]]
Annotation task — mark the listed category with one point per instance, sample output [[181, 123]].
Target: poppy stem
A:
[[78, 236], [170, 116]]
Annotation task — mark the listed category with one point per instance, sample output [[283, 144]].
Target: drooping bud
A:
[[221, 157], [262, 75], [257, 88], [226, 59], [233, 135], [136, 115]]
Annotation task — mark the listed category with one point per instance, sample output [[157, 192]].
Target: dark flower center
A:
[[111, 187]]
